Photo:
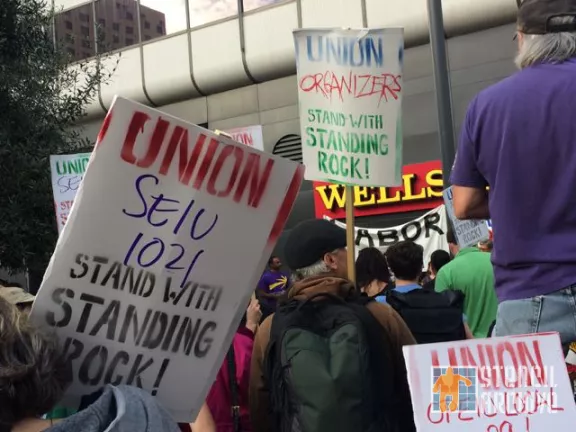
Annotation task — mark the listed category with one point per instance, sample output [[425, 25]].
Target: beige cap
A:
[[16, 296]]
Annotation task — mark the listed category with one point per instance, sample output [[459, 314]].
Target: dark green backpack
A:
[[330, 369]]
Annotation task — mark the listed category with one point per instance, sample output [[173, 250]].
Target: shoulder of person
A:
[[391, 322], [262, 335], [157, 416], [446, 270]]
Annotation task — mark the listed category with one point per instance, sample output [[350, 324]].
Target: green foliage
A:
[[41, 98]]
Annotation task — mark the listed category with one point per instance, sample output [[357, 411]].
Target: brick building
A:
[[117, 22]]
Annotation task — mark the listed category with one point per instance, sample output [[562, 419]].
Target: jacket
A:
[[120, 409], [398, 333], [219, 398]]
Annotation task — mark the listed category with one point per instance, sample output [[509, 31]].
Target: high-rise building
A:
[[116, 22]]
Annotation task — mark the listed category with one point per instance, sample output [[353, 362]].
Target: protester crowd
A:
[[250, 392], [316, 352]]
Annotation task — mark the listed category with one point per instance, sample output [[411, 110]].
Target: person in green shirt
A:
[[472, 273]]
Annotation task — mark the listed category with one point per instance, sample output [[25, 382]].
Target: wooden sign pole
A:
[[350, 241]]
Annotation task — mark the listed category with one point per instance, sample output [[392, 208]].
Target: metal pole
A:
[[442, 87]]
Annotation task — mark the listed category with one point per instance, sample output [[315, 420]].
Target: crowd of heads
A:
[[318, 247]]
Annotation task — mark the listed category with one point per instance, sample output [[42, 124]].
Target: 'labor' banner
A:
[[144, 287], [350, 94], [429, 231]]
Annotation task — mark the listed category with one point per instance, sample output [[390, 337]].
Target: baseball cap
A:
[[534, 16], [16, 296], [310, 240]]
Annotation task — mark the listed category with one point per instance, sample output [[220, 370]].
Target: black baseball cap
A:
[[534, 16], [310, 240]]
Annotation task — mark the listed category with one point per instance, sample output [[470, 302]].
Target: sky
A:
[[201, 11]]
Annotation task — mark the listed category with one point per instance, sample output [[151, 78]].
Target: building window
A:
[[72, 51], [69, 25], [115, 39], [69, 37], [146, 25], [118, 5], [102, 22], [129, 16], [129, 30], [160, 29], [84, 17], [85, 31], [116, 26], [86, 44], [129, 41], [147, 37]]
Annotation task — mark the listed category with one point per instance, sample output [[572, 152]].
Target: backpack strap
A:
[[383, 365], [234, 396]]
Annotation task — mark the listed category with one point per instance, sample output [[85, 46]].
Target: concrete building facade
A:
[[240, 70]]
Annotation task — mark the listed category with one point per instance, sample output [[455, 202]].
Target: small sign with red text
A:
[[170, 229], [248, 135], [510, 384]]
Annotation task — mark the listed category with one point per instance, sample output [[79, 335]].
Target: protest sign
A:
[[350, 97], [67, 172], [468, 232], [429, 231], [145, 287], [249, 135], [507, 384]]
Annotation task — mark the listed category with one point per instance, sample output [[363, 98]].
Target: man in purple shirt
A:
[[519, 138], [272, 285]]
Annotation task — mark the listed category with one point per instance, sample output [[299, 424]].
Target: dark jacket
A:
[[388, 318]]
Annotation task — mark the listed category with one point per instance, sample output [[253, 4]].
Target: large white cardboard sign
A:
[[428, 230], [468, 232], [507, 384], [145, 287], [350, 95], [67, 172]]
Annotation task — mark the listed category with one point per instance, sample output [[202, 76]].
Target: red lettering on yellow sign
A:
[[421, 189]]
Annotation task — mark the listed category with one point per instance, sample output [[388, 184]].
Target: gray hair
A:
[[33, 371], [547, 48], [316, 269]]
